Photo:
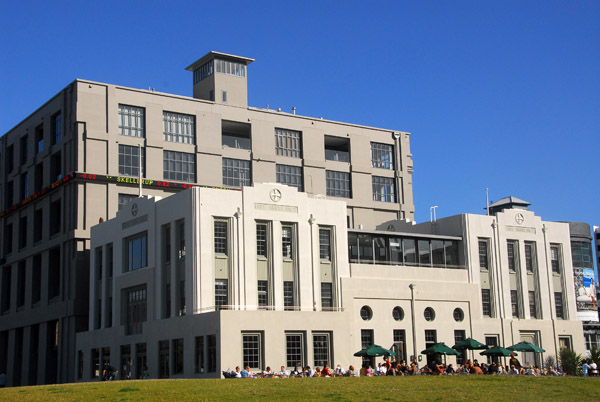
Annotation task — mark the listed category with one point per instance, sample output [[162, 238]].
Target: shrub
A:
[[550, 361], [570, 361]]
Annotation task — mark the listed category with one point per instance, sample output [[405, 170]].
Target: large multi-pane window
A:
[[532, 304], [383, 189], [179, 127], [554, 261], [261, 240], [338, 184], [263, 294], [325, 244], [581, 252], [326, 295], [290, 175], [367, 339], [230, 68], [558, 305], [459, 336], [252, 350], [163, 359], [483, 254], [220, 293], [486, 303], [205, 70], [131, 121], [322, 349], [288, 143], [382, 155], [179, 166], [236, 172], [220, 237], [137, 251], [288, 295], [199, 355], [514, 301], [56, 128], [287, 242], [337, 149], [530, 257], [212, 353], [294, 348], [512, 260], [177, 356], [129, 160], [136, 309]]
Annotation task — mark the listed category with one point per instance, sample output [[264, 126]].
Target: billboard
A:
[[585, 294]]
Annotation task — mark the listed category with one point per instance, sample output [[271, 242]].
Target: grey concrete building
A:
[[76, 160]]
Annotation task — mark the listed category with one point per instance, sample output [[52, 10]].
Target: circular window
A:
[[459, 315], [398, 313], [366, 313], [429, 314]]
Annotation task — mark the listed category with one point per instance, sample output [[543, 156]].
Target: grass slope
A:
[[489, 388]]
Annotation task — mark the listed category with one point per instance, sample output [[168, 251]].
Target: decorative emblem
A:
[[275, 195], [391, 228], [134, 209], [519, 218]]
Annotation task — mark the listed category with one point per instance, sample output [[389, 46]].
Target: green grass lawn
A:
[[422, 388]]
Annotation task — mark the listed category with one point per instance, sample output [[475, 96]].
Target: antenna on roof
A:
[[487, 201]]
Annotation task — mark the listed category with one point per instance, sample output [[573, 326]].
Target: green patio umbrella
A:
[[440, 348], [470, 344], [374, 351], [498, 351], [526, 347]]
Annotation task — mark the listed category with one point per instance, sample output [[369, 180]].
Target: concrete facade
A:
[[72, 163]]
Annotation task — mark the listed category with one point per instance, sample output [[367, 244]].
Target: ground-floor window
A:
[[177, 356], [322, 349], [126, 363], [163, 359], [95, 368], [212, 353], [252, 350], [199, 355], [294, 349]]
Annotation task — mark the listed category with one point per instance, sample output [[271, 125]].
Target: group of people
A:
[[298, 372], [514, 367]]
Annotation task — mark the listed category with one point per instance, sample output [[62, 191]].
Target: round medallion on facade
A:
[[429, 314], [391, 228], [519, 218], [134, 209], [398, 313], [366, 313], [275, 195], [458, 314]]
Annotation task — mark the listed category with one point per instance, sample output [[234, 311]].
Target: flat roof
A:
[[218, 55]]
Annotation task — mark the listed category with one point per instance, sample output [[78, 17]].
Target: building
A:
[[76, 160], [209, 279]]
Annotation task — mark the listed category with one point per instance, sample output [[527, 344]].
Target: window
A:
[[399, 344], [55, 167], [382, 155], [564, 342], [486, 303], [483, 254], [288, 295], [261, 240], [383, 189], [179, 128], [224, 96], [288, 143], [212, 353], [39, 139], [366, 313], [322, 349], [429, 314], [220, 237], [554, 253], [510, 249], [163, 359], [8, 238], [10, 158], [177, 356], [39, 177], [179, 166], [79, 364], [459, 336], [558, 305], [56, 128], [263, 293], [6, 288], [126, 362], [490, 342], [24, 150], [230, 68], [181, 298], [21, 273], [235, 135], [22, 232], [95, 363], [131, 121], [55, 218], [290, 176], [125, 199], [252, 350], [36, 282], [338, 184], [205, 70], [199, 355], [54, 273], [514, 301], [326, 295], [294, 349], [220, 293], [325, 244], [137, 251], [236, 173], [141, 362], [529, 257], [9, 195], [129, 160], [430, 336], [367, 339], [398, 313], [337, 149], [287, 242], [532, 306], [135, 309], [458, 314], [24, 185]]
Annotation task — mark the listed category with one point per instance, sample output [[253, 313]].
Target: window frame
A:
[[134, 114], [179, 127]]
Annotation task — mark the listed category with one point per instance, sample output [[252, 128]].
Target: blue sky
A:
[[497, 94]]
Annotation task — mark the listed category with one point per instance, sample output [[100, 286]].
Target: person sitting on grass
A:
[[513, 370], [530, 371], [365, 371], [317, 372], [268, 372], [350, 372], [296, 372], [339, 371], [283, 372], [245, 373], [450, 370], [326, 372]]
